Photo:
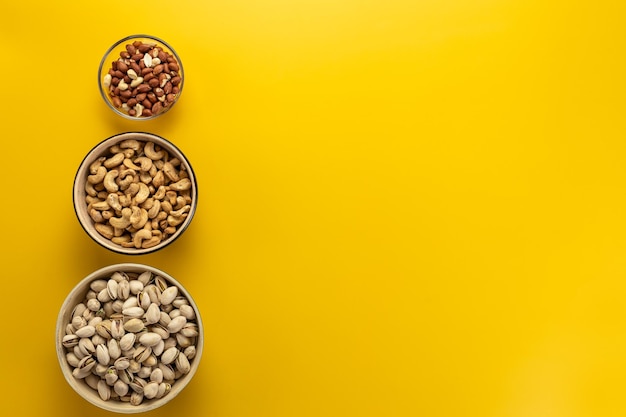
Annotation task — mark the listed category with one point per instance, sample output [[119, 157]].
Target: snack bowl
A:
[[140, 77], [135, 193], [109, 354]]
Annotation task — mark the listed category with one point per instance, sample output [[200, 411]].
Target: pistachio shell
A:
[[111, 376], [102, 354], [136, 286], [134, 325], [150, 390], [127, 341], [121, 363], [114, 349], [136, 398], [169, 355], [98, 285], [104, 391], [85, 331], [121, 388], [123, 290], [176, 324], [70, 340], [182, 364], [187, 311], [104, 296], [92, 381], [149, 339], [153, 314], [156, 375], [134, 312], [112, 288], [72, 359]]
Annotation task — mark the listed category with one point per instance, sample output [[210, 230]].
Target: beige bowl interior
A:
[[76, 296], [80, 206]]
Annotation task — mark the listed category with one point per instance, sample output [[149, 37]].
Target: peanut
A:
[[143, 81]]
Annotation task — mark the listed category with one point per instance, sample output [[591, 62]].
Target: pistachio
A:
[[102, 354], [169, 355], [168, 295], [121, 388], [134, 312], [134, 325], [127, 341], [176, 324], [104, 391], [150, 390], [149, 339], [153, 314], [86, 331], [70, 340]]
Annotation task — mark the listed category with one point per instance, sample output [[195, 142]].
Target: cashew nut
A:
[[151, 153], [109, 181], [114, 161], [153, 241], [95, 165], [175, 221], [105, 230], [123, 221], [159, 179], [95, 215], [129, 164], [140, 236], [98, 176], [154, 210], [180, 202], [114, 202], [180, 212], [146, 163], [183, 184], [142, 194], [89, 189], [139, 217], [160, 193], [170, 172], [133, 144], [100, 205], [171, 197], [145, 177], [121, 239]]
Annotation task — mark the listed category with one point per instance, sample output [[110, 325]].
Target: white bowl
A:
[[80, 193], [76, 296]]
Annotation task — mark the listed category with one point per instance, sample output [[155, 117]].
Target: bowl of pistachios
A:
[[129, 338]]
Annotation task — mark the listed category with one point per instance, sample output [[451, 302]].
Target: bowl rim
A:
[[101, 240], [103, 94], [60, 331]]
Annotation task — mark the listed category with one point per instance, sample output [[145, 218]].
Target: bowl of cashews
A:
[[135, 193]]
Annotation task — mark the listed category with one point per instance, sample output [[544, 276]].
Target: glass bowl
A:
[[141, 77]]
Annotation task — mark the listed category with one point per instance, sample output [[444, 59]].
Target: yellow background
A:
[[407, 207]]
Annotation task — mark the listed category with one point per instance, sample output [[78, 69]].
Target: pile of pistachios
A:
[[132, 337]]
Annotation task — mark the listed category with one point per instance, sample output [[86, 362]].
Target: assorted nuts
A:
[[132, 337], [144, 81], [137, 194]]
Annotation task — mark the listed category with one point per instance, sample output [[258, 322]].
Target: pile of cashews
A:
[[137, 194]]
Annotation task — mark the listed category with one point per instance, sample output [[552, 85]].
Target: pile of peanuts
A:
[[137, 194], [144, 81]]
